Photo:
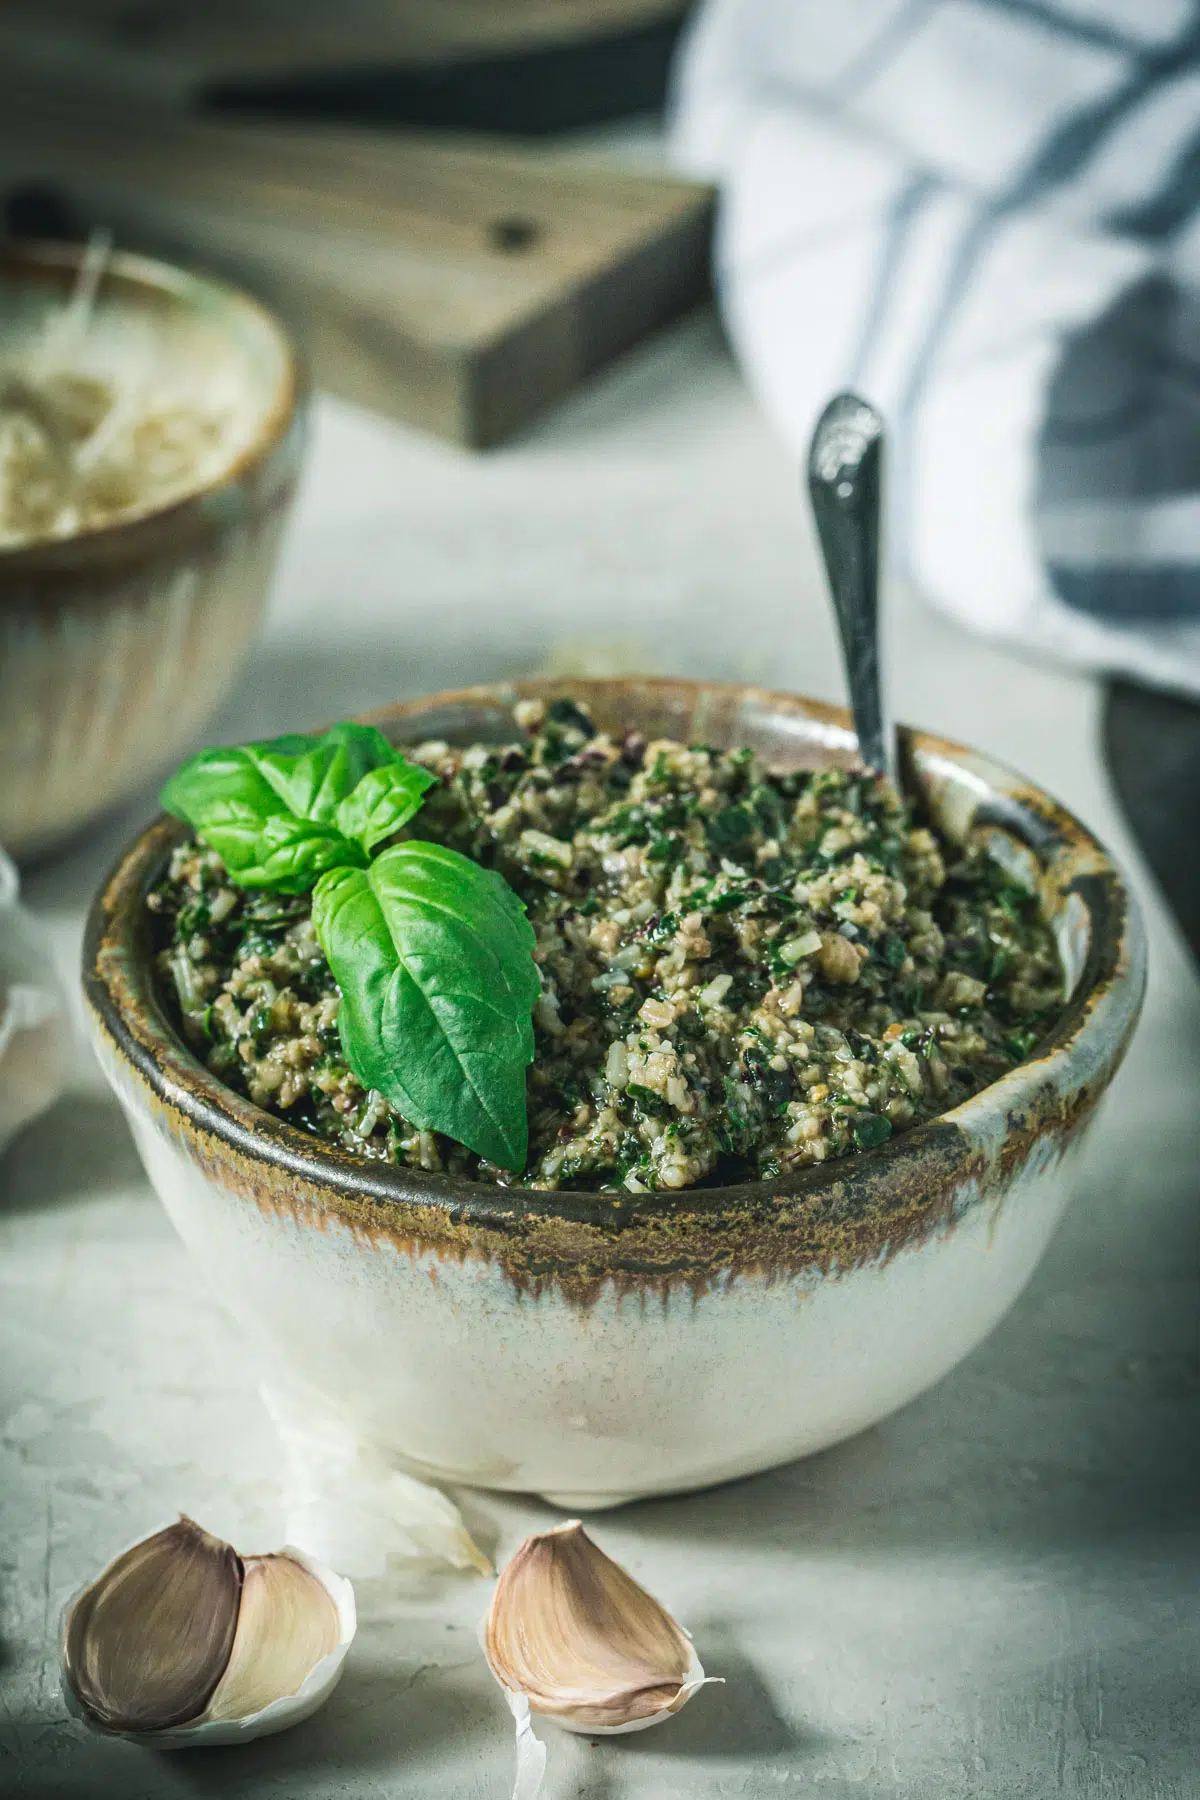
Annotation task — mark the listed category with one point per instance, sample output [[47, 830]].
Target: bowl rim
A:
[[193, 511], [1048, 1094]]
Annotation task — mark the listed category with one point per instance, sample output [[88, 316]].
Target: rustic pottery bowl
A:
[[116, 643], [593, 1348]]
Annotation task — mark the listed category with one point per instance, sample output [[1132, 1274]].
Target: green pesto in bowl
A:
[[744, 972]]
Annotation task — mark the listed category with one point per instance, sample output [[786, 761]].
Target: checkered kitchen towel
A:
[[985, 215]]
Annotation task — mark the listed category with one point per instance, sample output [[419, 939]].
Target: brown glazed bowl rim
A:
[[1051, 1093], [197, 510]]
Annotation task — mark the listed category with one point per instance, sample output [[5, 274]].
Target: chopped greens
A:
[[740, 972]]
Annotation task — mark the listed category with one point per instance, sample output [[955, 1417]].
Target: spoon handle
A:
[[845, 486]]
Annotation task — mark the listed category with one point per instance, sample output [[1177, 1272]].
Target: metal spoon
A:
[[844, 484]]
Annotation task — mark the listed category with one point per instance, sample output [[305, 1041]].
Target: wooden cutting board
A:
[[462, 285]]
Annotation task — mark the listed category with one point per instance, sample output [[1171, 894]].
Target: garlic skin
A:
[[180, 1642], [349, 1504], [572, 1636]]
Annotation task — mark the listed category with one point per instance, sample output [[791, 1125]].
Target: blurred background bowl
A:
[[116, 643]]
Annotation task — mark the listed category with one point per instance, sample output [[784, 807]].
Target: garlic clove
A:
[[289, 1625], [288, 1630], [573, 1634], [148, 1641]]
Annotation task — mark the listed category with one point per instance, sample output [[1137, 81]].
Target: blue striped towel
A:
[[984, 215]]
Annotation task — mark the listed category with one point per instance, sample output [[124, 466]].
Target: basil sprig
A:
[[432, 953], [281, 812]]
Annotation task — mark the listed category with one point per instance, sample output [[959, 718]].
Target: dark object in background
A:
[[40, 210], [527, 67], [1152, 746], [557, 87]]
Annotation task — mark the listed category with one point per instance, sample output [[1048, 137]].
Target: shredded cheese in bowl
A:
[[105, 416]]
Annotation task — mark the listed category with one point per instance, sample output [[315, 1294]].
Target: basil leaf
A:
[[313, 775], [290, 854], [281, 812], [384, 800], [235, 812], [434, 959]]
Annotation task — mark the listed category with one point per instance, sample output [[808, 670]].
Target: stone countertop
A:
[[994, 1594]]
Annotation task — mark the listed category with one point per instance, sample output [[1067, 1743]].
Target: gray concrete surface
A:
[[994, 1595]]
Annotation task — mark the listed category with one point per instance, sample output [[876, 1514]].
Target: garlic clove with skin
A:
[[182, 1642], [287, 1625], [146, 1644], [572, 1634]]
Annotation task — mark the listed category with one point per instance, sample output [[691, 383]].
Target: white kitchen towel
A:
[[985, 216]]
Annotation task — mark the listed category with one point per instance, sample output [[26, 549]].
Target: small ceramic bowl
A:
[[597, 1347], [116, 643]]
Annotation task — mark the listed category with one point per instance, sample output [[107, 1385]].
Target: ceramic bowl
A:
[[593, 1348], [116, 644]]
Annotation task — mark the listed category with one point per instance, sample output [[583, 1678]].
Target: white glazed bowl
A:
[[595, 1347]]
